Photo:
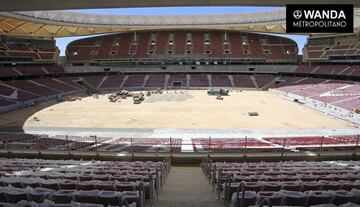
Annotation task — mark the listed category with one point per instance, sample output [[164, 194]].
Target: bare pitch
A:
[[187, 109]]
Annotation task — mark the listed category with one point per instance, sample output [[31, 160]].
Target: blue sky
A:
[[62, 42]]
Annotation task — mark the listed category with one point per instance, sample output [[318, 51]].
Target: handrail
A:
[[242, 186], [264, 201]]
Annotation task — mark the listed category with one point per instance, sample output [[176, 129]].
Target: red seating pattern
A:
[[220, 80], [342, 94], [199, 80], [243, 81], [30, 70], [135, 80], [322, 53], [156, 80], [221, 145], [347, 70], [177, 78], [16, 48], [121, 46], [113, 81]]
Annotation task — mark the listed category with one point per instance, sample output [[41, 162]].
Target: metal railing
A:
[[131, 147]]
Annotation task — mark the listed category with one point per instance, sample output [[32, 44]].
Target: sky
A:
[[63, 42]]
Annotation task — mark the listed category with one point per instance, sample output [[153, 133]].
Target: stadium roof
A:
[[66, 23], [28, 5]]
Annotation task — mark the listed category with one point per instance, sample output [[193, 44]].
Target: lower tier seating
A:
[[327, 183], [69, 182]]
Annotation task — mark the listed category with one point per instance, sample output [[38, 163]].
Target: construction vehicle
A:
[[219, 97], [138, 98], [216, 92]]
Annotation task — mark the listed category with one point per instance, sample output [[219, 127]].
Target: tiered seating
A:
[[220, 80], [156, 80], [329, 69], [4, 102], [55, 84], [243, 81], [232, 145], [286, 183], [22, 95], [54, 69], [305, 69], [6, 91], [296, 141], [13, 92], [198, 42], [143, 43], [315, 143], [350, 104], [347, 139], [27, 85], [81, 49], [94, 81], [30, 70], [89, 182], [8, 72], [217, 39], [18, 142], [27, 49], [263, 80], [113, 81], [16, 137], [199, 80], [161, 43], [71, 82], [141, 145], [134, 80], [121, 46], [338, 93], [177, 78], [323, 53]]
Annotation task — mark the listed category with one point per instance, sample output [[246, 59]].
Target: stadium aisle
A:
[[187, 186]]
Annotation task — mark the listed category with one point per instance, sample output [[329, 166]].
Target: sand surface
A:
[[191, 109]]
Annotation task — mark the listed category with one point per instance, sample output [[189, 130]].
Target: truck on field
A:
[[216, 92]]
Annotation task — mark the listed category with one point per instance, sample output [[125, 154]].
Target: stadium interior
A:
[[178, 111]]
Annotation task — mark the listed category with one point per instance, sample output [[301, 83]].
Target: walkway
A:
[[187, 187]]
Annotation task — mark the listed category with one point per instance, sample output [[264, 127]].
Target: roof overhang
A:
[[65, 23]]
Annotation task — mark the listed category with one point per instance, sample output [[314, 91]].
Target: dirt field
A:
[[192, 109]]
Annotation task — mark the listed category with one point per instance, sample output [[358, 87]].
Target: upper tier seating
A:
[[325, 52], [241, 46], [347, 70], [13, 49]]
